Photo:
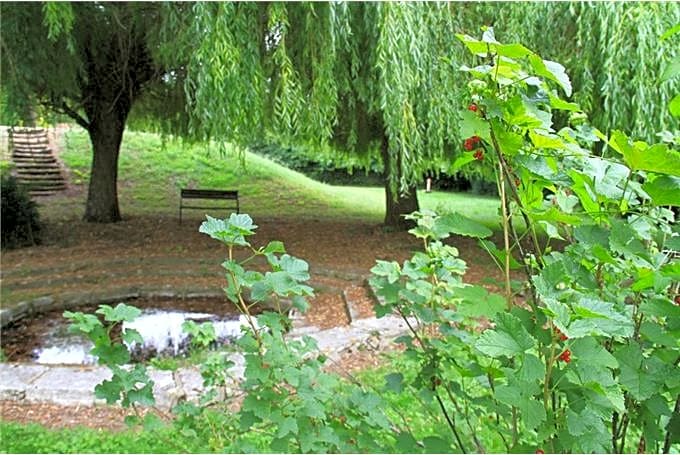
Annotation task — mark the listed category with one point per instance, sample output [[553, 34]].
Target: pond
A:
[[45, 339]]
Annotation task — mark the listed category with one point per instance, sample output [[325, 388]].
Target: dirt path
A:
[[82, 257]]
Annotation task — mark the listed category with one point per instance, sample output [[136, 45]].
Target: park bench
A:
[[218, 195]]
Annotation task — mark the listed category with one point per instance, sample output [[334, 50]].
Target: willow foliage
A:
[[612, 52]]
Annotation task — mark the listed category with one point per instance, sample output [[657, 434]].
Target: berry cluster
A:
[[471, 142], [560, 335], [565, 356]]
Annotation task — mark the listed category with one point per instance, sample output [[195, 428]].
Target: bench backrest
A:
[[209, 194]]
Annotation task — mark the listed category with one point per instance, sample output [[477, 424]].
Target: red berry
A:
[[479, 155], [566, 356], [473, 107], [677, 299], [517, 182], [539, 451], [471, 142], [560, 335]]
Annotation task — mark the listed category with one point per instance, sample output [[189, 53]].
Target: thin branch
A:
[[64, 108]]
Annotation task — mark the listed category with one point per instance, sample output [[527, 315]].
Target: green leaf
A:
[[664, 190], [287, 426], [131, 336], [670, 32], [274, 247], [111, 355], [588, 350], [531, 369], [546, 140], [461, 161], [639, 376], [674, 106], [509, 338], [553, 71], [472, 124], [641, 157], [394, 382], [672, 70], [433, 444], [558, 103], [120, 313], [477, 301], [389, 270], [297, 268], [462, 225], [108, 390]]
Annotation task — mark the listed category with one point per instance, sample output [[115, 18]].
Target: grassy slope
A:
[[151, 173]]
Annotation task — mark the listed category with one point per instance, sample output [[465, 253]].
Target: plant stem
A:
[[480, 447], [451, 423], [506, 236], [667, 440]]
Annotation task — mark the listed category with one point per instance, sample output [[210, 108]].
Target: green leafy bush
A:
[[578, 353], [20, 218]]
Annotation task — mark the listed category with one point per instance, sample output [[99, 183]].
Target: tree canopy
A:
[[377, 78]]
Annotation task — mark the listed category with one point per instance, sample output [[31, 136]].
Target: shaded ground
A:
[[81, 257]]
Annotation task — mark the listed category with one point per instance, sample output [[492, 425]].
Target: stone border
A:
[[74, 300], [74, 385]]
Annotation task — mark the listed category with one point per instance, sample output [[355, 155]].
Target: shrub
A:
[[20, 218]]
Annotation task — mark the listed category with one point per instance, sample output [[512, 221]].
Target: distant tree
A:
[[90, 61], [365, 77]]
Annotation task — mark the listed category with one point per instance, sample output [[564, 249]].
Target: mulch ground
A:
[[83, 257]]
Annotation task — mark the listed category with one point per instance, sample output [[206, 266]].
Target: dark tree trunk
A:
[[106, 134], [396, 206], [111, 86]]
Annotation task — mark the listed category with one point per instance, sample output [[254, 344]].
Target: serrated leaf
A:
[[462, 225], [389, 270], [131, 336], [589, 351], [394, 382], [297, 268], [639, 376], [121, 313], [287, 426], [664, 190], [462, 160], [553, 71], [274, 247], [472, 124], [433, 444], [111, 355], [509, 338], [655, 158], [531, 369], [477, 301]]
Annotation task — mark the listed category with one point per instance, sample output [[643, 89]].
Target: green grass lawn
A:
[[151, 172]]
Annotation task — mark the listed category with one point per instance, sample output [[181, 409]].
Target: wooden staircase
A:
[[35, 165]]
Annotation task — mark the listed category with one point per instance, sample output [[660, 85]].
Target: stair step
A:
[[35, 165], [29, 140], [38, 172], [40, 179], [31, 149], [33, 156], [41, 193]]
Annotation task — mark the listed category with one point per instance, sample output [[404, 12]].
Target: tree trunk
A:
[[106, 134], [397, 205]]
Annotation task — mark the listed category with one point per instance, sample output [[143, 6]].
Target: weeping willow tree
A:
[[613, 52], [91, 62], [371, 78]]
